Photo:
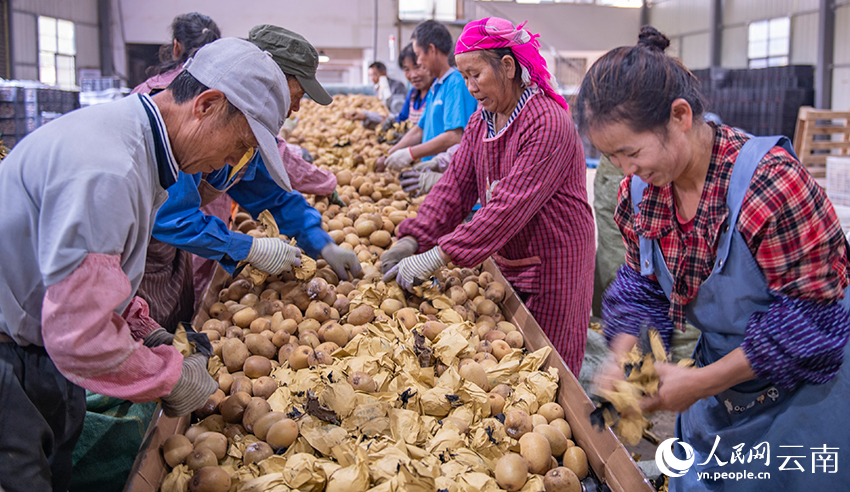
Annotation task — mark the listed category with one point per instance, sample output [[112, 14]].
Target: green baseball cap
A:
[[294, 55]]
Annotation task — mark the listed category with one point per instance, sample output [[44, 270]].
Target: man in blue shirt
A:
[[448, 105], [181, 224]]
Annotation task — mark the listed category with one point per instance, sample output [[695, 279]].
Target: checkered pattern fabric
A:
[[537, 225], [786, 220]]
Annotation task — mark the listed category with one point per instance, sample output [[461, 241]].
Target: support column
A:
[[104, 16], [826, 47], [716, 34], [644, 13]]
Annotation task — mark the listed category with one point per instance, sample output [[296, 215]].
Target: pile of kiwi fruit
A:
[[263, 334]]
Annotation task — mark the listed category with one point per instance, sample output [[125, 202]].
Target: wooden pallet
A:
[[813, 153]]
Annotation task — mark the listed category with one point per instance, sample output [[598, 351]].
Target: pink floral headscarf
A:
[[492, 32]]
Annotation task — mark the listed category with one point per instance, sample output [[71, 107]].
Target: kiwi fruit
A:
[[282, 433], [260, 345], [476, 374], [497, 403], [561, 479], [264, 387], [362, 381], [242, 384], [576, 460], [256, 452], [176, 449], [562, 426], [551, 411], [299, 357], [511, 472], [234, 353], [210, 479], [537, 420], [233, 407], [215, 441], [432, 328], [211, 405], [537, 452], [557, 440], [361, 315], [500, 348], [264, 423], [253, 411], [517, 423], [200, 458], [257, 366]]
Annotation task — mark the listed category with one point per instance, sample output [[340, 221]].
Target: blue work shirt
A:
[[416, 98], [447, 106], [182, 224]]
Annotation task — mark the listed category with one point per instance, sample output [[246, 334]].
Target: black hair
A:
[[186, 87], [379, 66], [192, 30], [432, 32], [637, 85], [494, 58], [406, 52]]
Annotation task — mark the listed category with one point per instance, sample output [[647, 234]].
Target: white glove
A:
[[399, 160], [427, 181], [273, 256], [430, 165]]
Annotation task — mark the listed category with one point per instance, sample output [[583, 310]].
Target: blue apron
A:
[[795, 424]]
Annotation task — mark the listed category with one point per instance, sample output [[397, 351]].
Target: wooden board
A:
[[605, 454]]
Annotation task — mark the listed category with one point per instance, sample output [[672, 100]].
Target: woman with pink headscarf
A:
[[522, 158]]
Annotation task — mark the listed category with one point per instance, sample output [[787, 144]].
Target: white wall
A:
[[24, 36], [325, 23]]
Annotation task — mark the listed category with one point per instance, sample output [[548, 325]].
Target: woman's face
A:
[[657, 157], [494, 91], [416, 75]]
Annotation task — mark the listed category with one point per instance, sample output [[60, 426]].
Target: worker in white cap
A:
[[79, 198]]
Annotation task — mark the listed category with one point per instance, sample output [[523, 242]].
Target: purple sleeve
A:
[[633, 300], [797, 341]]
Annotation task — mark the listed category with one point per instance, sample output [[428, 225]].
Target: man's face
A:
[[426, 57], [296, 92], [210, 136], [374, 75]]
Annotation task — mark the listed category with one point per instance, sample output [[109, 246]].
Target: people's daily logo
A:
[[668, 463]]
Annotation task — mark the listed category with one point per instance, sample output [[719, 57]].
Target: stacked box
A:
[[762, 101], [23, 109]]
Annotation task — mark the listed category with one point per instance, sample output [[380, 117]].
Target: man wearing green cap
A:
[[181, 224]]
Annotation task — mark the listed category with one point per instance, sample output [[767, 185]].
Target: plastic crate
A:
[[838, 180]]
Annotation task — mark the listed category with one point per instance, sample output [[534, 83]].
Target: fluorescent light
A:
[[324, 58]]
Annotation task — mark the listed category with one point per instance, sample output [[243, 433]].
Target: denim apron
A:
[[796, 423]]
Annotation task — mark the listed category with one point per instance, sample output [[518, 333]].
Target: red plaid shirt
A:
[[537, 224], [786, 220]]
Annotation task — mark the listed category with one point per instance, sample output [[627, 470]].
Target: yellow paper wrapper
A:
[[177, 480]]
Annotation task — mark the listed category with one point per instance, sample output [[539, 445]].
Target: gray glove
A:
[[430, 165], [427, 180], [272, 255], [409, 181], [305, 154], [158, 337], [192, 389], [403, 248], [339, 259]]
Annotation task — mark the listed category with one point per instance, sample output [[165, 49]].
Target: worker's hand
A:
[[409, 181], [355, 115], [158, 337], [427, 180], [678, 389], [399, 160], [334, 199], [192, 389], [381, 164], [414, 270], [305, 154], [339, 259], [403, 248], [429, 165], [273, 256]]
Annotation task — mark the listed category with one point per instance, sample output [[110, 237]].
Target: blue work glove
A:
[[403, 248], [192, 389], [339, 259], [416, 269], [273, 255]]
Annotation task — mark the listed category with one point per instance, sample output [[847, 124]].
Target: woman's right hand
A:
[[610, 370], [404, 247]]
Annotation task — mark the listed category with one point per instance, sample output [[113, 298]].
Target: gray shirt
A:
[[88, 182]]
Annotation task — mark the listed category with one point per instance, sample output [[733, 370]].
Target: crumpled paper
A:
[[177, 480]]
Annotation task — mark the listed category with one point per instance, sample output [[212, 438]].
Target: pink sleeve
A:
[[138, 318], [93, 346], [304, 176]]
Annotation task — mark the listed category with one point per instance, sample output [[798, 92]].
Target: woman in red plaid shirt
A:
[[732, 234], [522, 158]]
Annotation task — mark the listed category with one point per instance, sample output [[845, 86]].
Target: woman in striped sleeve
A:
[[732, 234], [521, 157]]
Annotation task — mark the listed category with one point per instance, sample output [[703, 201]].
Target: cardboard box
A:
[[609, 460]]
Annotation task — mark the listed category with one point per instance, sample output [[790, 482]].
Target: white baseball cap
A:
[[255, 85]]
